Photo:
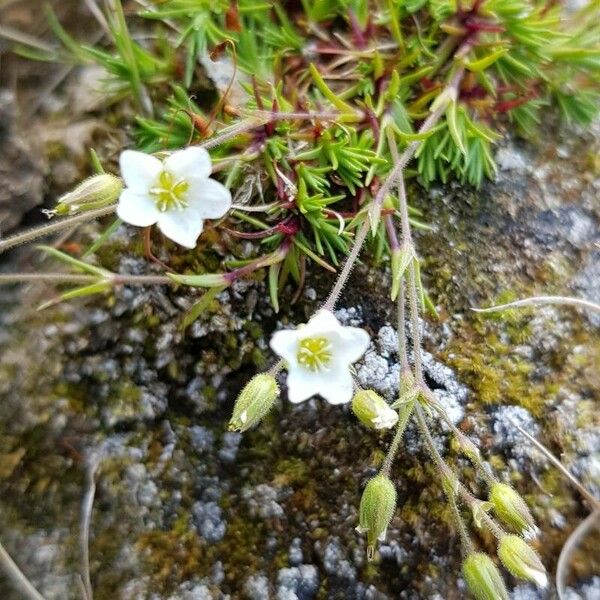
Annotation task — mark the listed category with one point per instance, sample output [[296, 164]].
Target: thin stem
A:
[[54, 227], [412, 278], [384, 190], [276, 368], [445, 468], [86, 516], [348, 266], [465, 540], [536, 300], [400, 325], [17, 577], [409, 152], [400, 428], [567, 550], [475, 460], [116, 279], [592, 500]]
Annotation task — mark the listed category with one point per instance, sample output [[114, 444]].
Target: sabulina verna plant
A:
[[306, 164]]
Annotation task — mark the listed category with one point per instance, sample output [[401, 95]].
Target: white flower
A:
[[176, 193], [318, 356]]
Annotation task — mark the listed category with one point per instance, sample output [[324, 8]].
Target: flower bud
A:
[[254, 402], [483, 577], [377, 507], [95, 192], [373, 411], [522, 560], [512, 510]]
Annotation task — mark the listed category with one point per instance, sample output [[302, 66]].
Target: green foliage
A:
[[368, 70]]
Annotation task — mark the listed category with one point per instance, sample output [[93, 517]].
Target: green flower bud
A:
[[522, 560], [377, 507], [373, 411], [512, 510], [254, 402], [483, 577], [95, 192]]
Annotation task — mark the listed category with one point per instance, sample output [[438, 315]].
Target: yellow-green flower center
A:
[[169, 193], [314, 353]]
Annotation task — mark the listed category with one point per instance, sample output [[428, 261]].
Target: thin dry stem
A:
[[17, 577], [593, 502], [537, 300], [86, 516], [569, 548]]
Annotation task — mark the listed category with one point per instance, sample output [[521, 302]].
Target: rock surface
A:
[[185, 510], [21, 172]]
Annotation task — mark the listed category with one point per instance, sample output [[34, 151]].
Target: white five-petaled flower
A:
[[176, 193], [318, 356]]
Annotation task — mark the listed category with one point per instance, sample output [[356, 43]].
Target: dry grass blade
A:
[[592, 501], [581, 530], [84, 540], [537, 300], [15, 574], [567, 551]]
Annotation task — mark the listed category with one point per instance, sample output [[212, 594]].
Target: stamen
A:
[[170, 193], [314, 354]]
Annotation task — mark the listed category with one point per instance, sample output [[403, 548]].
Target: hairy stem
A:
[[467, 497], [54, 227], [400, 427], [115, 279], [396, 172]]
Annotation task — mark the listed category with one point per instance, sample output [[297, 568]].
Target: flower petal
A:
[[192, 162], [139, 170], [181, 227], [302, 384], [323, 321], [208, 198], [353, 343], [336, 385], [137, 209], [285, 344]]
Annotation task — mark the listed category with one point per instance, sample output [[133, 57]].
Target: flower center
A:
[[169, 193], [314, 353]]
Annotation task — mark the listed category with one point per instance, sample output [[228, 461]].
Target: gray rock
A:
[[295, 554], [297, 583], [262, 501], [256, 587], [21, 173], [202, 438], [209, 522], [229, 446]]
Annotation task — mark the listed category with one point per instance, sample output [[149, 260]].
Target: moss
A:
[[175, 555]]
